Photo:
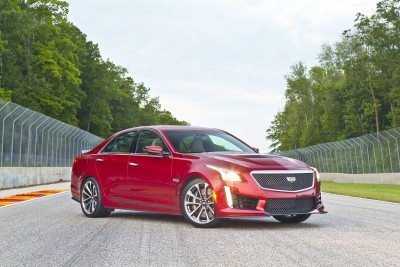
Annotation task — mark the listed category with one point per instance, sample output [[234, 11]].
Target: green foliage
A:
[[47, 64], [354, 90], [5, 94]]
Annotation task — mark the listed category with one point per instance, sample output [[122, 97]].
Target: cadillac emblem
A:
[[291, 179]]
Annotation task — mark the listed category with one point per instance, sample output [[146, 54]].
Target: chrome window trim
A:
[[149, 155], [283, 172]]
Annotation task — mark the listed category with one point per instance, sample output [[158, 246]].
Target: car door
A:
[[149, 176], [112, 165]]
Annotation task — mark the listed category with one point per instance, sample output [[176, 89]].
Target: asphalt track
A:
[[52, 231]]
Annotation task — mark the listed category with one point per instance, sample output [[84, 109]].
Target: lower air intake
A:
[[243, 202], [283, 206]]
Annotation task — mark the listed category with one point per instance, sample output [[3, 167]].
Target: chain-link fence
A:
[[372, 153], [31, 139]]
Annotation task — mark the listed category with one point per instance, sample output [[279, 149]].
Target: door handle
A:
[[100, 160], [132, 164]]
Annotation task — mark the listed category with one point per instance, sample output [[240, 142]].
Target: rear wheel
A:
[[298, 218], [91, 201], [197, 204]]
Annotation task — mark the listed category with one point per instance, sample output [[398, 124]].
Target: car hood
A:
[[259, 161]]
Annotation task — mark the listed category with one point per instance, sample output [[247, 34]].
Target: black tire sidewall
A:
[[295, 219]]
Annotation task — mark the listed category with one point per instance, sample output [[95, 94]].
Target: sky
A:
[[216, 63]]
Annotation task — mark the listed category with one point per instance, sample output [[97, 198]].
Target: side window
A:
[[121, 144], [149, 138]]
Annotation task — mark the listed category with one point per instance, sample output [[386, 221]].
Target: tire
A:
[[197, 204], [91, 200], [292, 218]]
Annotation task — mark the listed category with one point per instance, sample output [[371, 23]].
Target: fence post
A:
[[77, 143], [380, 144], [30, 137], [37, 128], [57, 143], [71, 144], [42, 144], [320, 158], [308, 156], [397, 145], [330, 154], [341, 158], [2, 135], [336, 161], [54, 158], [12, 139], [65, 145], [390, 154], [58, 124], [21, 138], [361, 151], [355, 153]]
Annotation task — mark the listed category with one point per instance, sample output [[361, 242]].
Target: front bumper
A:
[[260, 212], [228, 193]]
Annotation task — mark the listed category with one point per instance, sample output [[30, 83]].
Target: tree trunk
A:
[[376, 110], [91, 112]]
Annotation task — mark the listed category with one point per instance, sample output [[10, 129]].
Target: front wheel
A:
[[91, 201], [298, 218], [197, 204]]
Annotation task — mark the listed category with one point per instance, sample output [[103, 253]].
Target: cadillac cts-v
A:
[[204, 174]]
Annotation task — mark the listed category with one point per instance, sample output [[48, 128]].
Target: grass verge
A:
[[385, 192]]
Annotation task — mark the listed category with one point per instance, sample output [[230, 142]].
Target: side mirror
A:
[[154, 150], [84, 151], [257, 150]]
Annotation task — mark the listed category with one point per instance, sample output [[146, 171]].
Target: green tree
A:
[[354, 91], [47, 64]]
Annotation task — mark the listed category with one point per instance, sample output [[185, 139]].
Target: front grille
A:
[[243, 202], [281, 206], [284, 181]]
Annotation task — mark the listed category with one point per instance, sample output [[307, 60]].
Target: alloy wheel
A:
[[199, 203], [90, 197]]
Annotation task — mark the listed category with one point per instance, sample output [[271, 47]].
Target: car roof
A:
[[173, 127]]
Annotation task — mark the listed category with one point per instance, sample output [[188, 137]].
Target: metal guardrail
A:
[[32, 139], [372, 153]]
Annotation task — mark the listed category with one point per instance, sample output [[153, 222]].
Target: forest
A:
[[48, 65], [353, 90]]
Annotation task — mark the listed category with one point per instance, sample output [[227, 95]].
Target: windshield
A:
[[206, 141]]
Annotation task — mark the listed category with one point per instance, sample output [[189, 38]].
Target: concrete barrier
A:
[[11, 177], [365, 178]]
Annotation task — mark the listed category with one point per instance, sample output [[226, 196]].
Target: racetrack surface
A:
[[52, 231]]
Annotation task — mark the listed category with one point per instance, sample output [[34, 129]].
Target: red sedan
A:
[[203, 174]]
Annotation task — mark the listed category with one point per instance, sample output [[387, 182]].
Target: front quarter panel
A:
[[187, 167]]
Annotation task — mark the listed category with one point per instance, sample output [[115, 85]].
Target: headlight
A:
[[226, 175], [316, 174]]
